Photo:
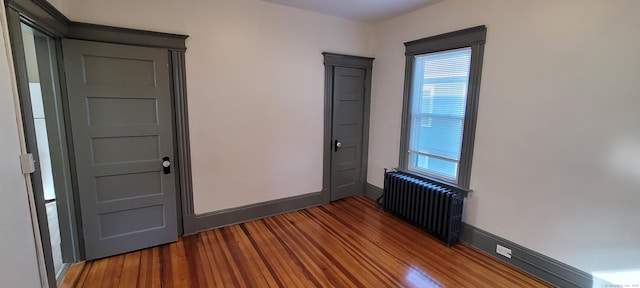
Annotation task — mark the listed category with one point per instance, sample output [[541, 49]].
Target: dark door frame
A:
[[332, 60], [19, 59], [42, 16]]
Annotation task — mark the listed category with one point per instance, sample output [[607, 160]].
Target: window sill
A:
[[455, 188]]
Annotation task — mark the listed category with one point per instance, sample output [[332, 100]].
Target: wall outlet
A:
[[504, 251]]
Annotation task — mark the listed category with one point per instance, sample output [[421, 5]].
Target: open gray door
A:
[[348, 110], [120, 108]]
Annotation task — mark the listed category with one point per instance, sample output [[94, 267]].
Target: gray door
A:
[[120, 108], [348, 112]]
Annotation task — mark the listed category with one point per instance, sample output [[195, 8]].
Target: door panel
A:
[[120, 108], [348, 111]]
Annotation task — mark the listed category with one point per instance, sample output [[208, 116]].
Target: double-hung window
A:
[[440, 105]]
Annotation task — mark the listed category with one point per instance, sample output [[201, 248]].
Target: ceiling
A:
[[370, 11]]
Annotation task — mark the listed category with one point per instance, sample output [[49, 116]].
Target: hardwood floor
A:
[[349, 243]]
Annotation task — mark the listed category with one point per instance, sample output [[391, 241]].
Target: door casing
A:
[[332, 60], [19, 58]]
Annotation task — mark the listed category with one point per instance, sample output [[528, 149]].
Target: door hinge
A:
[[27, 163]]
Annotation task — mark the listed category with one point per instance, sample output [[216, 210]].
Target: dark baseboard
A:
[[549, 270], [246, 213], [546, 269], [372, 191], [189, 225]]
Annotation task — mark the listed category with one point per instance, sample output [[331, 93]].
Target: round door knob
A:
[[339, 144], [166, 164]]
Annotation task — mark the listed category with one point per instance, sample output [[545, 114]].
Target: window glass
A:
[[437, 112]]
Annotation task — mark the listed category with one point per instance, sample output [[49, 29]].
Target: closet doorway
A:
[[44, 125]]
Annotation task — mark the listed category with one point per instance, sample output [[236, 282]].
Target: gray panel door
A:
[[120, 108], [348, 110]]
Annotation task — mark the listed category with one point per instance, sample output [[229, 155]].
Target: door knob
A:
[[166, 165], [337, 145]]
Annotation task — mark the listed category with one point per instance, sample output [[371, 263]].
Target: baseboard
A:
[[246, 213], [549, 270], [372, 191], [189, 225]]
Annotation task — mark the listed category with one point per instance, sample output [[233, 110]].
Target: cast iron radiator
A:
[[433, 208]]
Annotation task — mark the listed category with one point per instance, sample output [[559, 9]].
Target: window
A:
[[440, 105], [438, 102]]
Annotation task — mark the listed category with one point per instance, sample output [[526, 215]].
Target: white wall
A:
[[557, 145], [19, 267], [556, 165], [255, 79], [60, 5]]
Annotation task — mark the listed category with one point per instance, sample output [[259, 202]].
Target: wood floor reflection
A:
[[349, 243]]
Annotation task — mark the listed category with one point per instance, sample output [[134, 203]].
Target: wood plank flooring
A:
[[349, 243]]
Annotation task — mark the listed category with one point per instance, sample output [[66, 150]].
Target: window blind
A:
[[437, 111]]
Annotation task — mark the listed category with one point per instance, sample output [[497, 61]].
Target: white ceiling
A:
[[369, 11]]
